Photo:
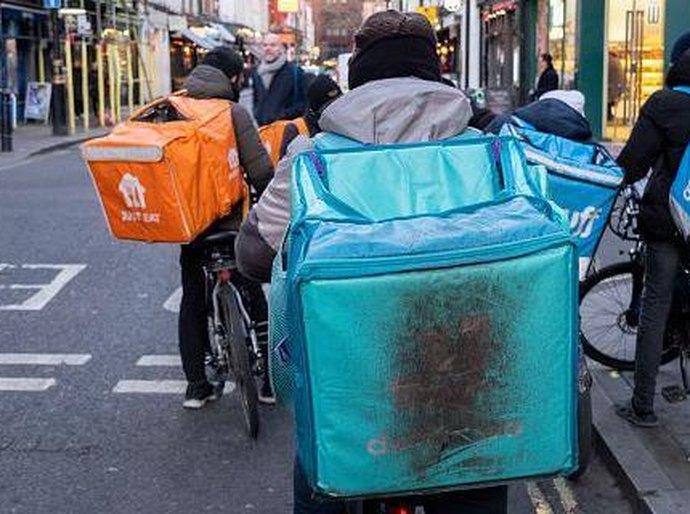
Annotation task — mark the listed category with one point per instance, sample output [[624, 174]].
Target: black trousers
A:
[[193, 325]]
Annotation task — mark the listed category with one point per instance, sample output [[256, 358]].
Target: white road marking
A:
[[541, 505], [45, 359], [566, 496], [159, 360], [26, 384], [158, 387], [46, 292], [172, 304]]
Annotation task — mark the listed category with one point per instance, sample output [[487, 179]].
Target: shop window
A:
[[562, 44]]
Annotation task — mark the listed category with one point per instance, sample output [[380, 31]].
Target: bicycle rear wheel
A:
[[609, 316], [239, 357]]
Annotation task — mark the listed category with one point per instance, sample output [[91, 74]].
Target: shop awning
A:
[[198, 40], [224, 33]]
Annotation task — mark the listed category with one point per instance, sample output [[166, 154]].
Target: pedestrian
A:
[[548, 77], [278, 85], [658, 141], [396, 96], [616, 85], [218, 76]]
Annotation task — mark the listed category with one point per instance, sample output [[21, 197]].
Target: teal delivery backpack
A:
[[431, 323]]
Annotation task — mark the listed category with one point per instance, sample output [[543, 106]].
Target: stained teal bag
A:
[[432, 319]]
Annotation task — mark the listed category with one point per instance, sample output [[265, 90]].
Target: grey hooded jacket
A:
[[397, 110], [209, 82]]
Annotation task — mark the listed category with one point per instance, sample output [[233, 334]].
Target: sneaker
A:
[[266, 395], [198, 396], [630, 414]]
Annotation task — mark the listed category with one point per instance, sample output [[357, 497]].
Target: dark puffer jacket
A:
[[283, 100], [658, 141], [551, 116]]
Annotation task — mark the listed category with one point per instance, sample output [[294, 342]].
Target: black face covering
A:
[[404, 56]]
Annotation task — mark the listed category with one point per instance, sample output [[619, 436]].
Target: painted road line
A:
[[46, 292], [158, 387], [26, 384], [566, 496], [541, 505], [44, 359], [159, 360], [172, 304]]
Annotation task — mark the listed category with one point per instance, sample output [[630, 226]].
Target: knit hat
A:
[[226, 60], [681, 46], [393, 44], [572, 98], [322, 91]]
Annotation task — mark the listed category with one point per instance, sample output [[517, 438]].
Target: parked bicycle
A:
[[610, 301], [234, 350]]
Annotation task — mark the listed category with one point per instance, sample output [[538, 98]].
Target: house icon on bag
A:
[[686, 193], [133, 192]]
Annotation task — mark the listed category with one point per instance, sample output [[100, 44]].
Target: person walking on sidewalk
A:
[[658, 141], [548, 79], [278, 85], [218, 76]]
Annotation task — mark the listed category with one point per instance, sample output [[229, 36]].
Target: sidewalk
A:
[[31, 140], [654, 464]]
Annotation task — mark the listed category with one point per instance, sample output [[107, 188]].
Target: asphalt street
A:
[[90, 385]]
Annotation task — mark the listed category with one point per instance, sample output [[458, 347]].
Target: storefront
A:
[[561, 39], [624, 57], [501, 59], [23, 36]]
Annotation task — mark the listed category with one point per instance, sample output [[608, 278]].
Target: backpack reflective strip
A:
[[123, 153]]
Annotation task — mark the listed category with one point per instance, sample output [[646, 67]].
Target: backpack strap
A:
[[682, 89]]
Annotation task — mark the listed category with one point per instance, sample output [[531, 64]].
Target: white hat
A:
[[572, 98]]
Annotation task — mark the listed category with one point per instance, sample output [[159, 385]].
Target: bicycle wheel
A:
[[609, 316], [239, 357]]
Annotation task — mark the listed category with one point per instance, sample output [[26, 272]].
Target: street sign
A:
[[83, 25], [52, 4]]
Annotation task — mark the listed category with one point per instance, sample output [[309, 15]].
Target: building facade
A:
[[336, 22]]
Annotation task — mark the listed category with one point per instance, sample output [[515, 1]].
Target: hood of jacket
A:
[[398, 110], [209, 82], [556, 117], [679, 74]]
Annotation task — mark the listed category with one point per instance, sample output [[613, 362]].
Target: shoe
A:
[[630, 414], [266, 395], [199, 395]]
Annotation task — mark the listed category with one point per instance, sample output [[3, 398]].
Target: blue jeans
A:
[[661, 270], [490, 500]]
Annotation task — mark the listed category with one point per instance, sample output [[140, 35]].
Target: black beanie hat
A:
[[392, 44], [681, 46], [321, 92], [226, 60]]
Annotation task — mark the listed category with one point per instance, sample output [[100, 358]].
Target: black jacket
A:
[[551, 116], [548, 81], [658, 141], [283, 100]]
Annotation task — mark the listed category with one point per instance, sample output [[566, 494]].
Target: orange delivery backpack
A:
[[271, 136], [169, 171]]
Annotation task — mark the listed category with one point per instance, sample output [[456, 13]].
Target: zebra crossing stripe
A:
[[159, 360], [26, 384], [44, 359], [158, 387]]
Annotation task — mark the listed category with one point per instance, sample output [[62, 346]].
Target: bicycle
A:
[[234, 348], [610, 301]]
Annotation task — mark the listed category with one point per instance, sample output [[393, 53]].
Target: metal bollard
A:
[[6, 120]]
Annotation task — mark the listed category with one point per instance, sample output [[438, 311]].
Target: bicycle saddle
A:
[[222, 237]]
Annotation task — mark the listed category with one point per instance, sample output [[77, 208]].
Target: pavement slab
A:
[[654, 464]]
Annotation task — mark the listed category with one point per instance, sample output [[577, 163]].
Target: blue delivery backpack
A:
[[429, 296], [583, 178], [679, 196]]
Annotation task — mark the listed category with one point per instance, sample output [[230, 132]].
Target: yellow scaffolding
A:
[[85, 84], [70, 86]]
